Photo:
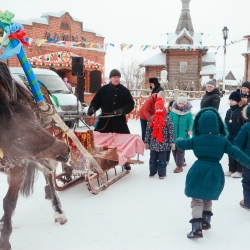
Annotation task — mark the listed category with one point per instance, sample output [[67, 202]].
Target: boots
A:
[[196, 229], [206, 220], [178, 169]]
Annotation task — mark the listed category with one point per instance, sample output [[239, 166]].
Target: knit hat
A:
[[114, 72], [246, 85], [182, 98], [211, 83], [159, 104], [155, 81], [235, 96], [162, 95]]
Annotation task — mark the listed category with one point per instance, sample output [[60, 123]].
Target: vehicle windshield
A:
[[54, 83]]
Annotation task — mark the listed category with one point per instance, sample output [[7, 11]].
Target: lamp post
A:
[[225, 36]]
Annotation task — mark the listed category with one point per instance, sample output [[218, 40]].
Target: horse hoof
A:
[[60, 218]]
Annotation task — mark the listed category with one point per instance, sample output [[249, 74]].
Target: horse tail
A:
[[28, 185]]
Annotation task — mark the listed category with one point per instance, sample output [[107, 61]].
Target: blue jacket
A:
[[205, 179], [234, 120], [242, 140]]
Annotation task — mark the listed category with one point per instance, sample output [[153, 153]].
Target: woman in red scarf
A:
[[158, 138]]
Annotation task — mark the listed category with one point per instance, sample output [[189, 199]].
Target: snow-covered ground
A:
[[136, 212]]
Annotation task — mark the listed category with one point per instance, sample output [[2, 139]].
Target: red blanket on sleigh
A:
[[128, 145]]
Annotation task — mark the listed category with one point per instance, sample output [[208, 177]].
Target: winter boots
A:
[[178, 169], [196, 229], [206, 220]]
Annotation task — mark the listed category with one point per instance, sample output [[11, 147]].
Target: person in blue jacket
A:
[[242, 141], [205, 179]]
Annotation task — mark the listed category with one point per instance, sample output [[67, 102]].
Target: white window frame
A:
[[183, 67], [158, 74]]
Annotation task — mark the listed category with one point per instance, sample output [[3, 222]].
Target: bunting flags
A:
[[123, 46]]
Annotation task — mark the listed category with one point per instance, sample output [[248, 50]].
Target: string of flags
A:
[[122, 46]]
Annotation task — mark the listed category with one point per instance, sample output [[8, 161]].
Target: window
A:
[[158, 73], [183, 67]]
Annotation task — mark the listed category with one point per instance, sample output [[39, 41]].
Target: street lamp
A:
[[225, 36]]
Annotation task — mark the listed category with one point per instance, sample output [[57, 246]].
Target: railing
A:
[[170, 94], [140, 95]]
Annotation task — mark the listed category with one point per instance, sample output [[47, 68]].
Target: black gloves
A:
[[91, 111], [119, 112]]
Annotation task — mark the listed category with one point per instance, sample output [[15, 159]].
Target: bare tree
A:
[[133, 74]]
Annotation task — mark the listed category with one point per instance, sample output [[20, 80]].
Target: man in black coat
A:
[[115, 101], [211, 97], [155, 85]]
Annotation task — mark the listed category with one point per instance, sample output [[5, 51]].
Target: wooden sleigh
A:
[[111, 151]]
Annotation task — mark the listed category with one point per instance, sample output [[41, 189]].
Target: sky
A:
[[135, 213], [147, 22]]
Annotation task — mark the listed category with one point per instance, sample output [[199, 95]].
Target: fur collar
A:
[[186, 109]]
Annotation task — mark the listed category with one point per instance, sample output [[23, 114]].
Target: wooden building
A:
[[183, 66], [65, 37]]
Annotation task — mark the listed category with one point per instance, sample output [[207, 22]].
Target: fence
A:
[[140, 95]]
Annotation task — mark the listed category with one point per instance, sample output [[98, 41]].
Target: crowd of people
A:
[[173, 129]]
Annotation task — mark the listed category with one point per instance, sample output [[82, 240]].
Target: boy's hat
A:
[[235, 96], [159, 104], [182, 99]]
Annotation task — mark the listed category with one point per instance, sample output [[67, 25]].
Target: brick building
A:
[[186, 66], [56, 37], [247, 60]]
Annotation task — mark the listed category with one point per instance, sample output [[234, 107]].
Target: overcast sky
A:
[[147, 22]]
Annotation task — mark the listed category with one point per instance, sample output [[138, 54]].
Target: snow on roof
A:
[[208, 70], [209, 57], [230, 83], [156, 60], [219, 73], [58, 14], [45, 20], [173, 37]]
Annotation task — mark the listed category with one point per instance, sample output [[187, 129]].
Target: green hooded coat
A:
[[205, 179]]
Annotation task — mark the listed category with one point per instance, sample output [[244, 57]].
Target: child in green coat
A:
[[183, 120], [205, 179]]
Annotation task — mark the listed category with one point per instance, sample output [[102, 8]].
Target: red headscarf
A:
[[158, 120]]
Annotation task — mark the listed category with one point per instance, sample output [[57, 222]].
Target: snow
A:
[[135, 213], [208, 70], [156, 60], [173, 37]]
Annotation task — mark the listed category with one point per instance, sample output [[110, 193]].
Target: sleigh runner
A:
[[110, 150]]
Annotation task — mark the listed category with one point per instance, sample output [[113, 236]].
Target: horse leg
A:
[[16, 180], [55, 201]]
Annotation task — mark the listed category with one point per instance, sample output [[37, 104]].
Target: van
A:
[[69, 105]]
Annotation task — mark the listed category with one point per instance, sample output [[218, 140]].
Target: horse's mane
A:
[[5, 110]]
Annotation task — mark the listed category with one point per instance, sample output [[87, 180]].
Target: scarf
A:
[[157, 123]]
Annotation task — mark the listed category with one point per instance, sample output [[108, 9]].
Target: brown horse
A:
[[23, 142]]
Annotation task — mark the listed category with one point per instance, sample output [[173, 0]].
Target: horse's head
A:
[[23, 136]]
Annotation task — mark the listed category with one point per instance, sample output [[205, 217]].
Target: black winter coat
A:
[[234, 114], [111, 98], [157, 90], [211, 99]]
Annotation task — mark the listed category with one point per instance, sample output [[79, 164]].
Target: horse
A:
[[24, 96], [23, 142]]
